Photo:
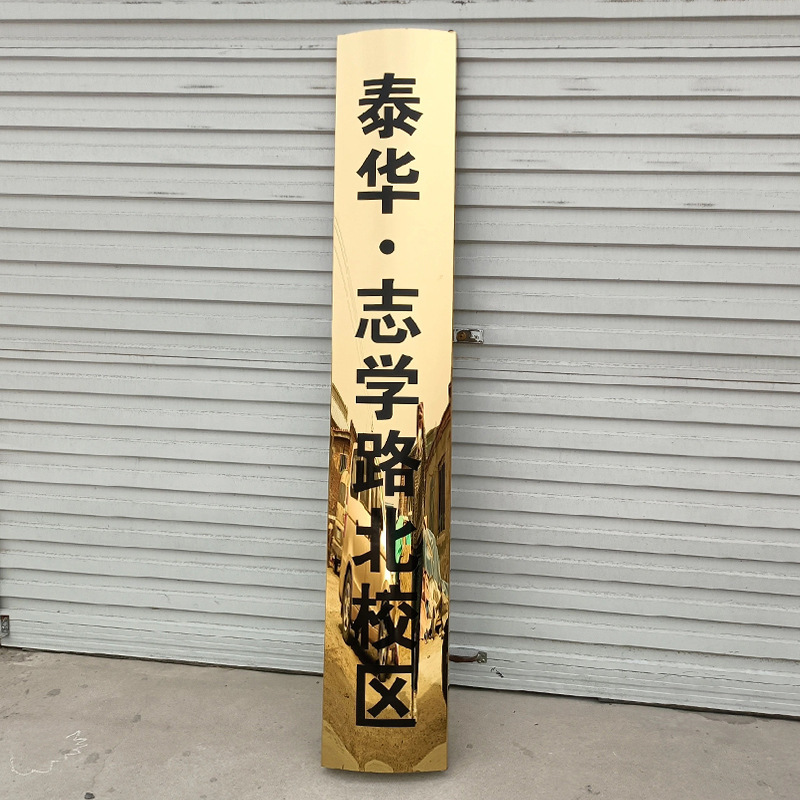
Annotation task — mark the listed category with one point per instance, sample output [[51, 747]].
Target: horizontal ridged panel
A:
[[155, 535], [681, 157], [26, 283], [704, 680], [501, 188], [498, 259], [565, 77], [367, 10], [507, 328], [682, 117], [625, 489]]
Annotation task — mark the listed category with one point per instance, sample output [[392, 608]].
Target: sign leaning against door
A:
[[388, 593]]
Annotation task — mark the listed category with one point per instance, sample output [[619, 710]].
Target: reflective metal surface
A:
[[385, 683]]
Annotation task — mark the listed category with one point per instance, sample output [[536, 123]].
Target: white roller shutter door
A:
[[626, 492]]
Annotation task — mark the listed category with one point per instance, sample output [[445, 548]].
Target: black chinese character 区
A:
[[389, 106], [388, 710]]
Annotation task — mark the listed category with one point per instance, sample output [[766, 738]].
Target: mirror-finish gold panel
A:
[[388, 567]]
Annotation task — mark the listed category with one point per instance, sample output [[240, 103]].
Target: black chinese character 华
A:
[[370, 169]]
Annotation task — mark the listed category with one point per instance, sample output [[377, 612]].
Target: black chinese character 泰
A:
[[390, 379], [389, 106]]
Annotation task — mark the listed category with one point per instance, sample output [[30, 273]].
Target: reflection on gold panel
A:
[[388, 569]]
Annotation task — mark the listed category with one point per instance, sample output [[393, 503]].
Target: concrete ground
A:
[[79, 727]]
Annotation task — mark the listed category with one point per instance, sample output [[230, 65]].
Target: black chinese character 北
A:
[[398, 533]]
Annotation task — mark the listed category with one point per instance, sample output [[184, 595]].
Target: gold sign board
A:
[[388, 592]]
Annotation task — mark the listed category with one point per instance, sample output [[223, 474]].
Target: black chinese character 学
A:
[[390, 379], [389, 106]]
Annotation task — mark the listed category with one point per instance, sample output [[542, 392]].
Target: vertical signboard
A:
[[388, 595]]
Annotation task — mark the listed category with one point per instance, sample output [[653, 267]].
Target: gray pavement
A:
[[80, 727]]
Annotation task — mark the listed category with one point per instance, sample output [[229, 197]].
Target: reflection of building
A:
[[343, 437], [436, 565], [437, 481]]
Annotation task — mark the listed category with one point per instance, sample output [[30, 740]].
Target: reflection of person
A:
[[402, 544], [420, 521], [431, 594], [435, 589]]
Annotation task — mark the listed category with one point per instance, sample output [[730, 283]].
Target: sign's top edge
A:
[[385, 31]]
